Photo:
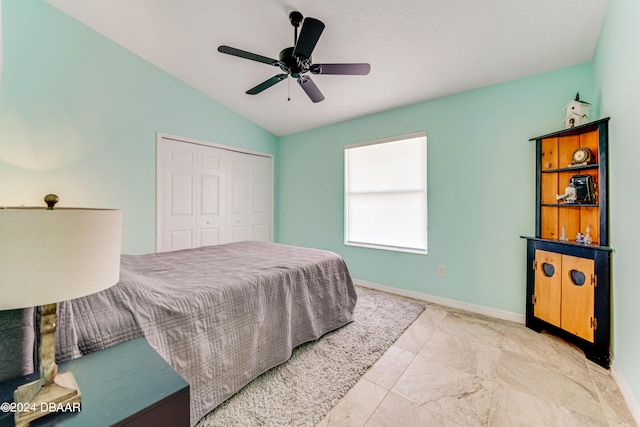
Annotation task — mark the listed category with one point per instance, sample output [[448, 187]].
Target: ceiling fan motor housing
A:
[[292, 64]]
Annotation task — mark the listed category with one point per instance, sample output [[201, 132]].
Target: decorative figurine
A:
[[570, 195], [563, 235], [579, 237], [577, 112], [587, 238]]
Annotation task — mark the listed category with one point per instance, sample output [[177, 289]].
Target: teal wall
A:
[[79, 116], [617, 65], [481, 185]]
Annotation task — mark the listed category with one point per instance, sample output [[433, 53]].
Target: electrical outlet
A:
[[441, 270]]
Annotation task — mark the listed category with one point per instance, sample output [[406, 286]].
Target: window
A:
[[386, 194]]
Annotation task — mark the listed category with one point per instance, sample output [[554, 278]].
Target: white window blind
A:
[[386, 194]]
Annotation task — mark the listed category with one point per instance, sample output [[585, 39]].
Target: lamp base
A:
[[37, 400]]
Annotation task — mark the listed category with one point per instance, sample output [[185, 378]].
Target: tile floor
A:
[[454, 368]]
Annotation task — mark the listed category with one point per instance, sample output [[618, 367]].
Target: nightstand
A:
[[128, 384]]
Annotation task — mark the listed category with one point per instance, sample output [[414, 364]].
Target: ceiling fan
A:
[[296, 61]]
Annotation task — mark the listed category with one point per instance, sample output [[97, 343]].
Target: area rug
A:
[[301, 391]]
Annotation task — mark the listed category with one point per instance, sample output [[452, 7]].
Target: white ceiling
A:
[[418, 49]]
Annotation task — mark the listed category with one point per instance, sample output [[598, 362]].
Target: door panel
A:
[[210, 236], [239, 195], [211, 216], [238, 175], [210, 187], [181, 185], [260, 217], [578, 296], [239, 233], [190, 195], [178, 208], [250, 186], [180, 239], [548, 286]]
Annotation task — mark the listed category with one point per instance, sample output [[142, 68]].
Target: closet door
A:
[[248, 197], [211, 216], [191, 192], [209, 195], [261, 197]]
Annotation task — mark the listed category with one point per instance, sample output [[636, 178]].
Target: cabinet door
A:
[[548, 287], [578, 282]]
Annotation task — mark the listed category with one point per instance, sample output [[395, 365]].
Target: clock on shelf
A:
[[581, 156]]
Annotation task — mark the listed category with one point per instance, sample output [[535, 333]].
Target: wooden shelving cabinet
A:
[[568, 282]]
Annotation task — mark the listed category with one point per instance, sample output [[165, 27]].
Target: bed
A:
[[220, 315]]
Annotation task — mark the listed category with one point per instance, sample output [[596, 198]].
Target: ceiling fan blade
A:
[[344, 69], [309, 35], [266, 84], [310, 88], [248, 55]]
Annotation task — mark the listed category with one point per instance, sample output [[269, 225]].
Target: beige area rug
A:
[[301, 391]]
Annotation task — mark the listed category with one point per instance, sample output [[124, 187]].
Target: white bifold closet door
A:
[[210, 195], [248, 197]]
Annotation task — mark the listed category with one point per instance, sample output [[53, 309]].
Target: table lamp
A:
[[49, 255]]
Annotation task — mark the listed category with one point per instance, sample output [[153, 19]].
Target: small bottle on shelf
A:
[[563, 235]]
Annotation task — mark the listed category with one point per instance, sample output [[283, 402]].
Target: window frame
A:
[[392, 248]]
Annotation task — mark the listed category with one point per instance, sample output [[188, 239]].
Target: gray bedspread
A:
[[220, 315]]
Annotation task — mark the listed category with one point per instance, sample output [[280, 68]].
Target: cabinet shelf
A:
[[571, 205], [572, 168], [571, 243]]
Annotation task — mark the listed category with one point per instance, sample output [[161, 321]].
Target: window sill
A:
[[388, 248]]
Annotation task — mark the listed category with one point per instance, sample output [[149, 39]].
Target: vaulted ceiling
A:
[[418, 49]]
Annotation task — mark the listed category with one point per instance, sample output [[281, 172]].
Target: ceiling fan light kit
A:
[[296, 62]]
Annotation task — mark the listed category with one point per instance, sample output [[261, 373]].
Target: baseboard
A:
[[627, 393], [487, 311]]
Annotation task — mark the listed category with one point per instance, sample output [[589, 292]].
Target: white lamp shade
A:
[[48, 256]]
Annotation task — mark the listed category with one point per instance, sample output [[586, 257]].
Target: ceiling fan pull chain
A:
[[288, 89]]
